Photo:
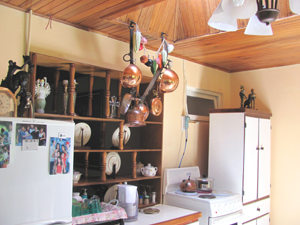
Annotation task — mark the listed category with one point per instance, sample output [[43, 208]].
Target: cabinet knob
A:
[[257, 148], [258, 209], [262, 148]]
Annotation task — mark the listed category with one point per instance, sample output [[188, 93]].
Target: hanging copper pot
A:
[[169, 81], [132, 76], [141, 106], [134, 118], [156, 106]]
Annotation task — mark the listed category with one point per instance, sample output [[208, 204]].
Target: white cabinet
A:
[[239, 152], [264, 220], [256, 159]]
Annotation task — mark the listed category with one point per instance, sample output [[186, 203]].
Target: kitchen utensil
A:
[[112, 159], [132, 76], [134, 118], [149, 171], [204, 183], [115, 137], [126, 101], [188, 185], [169, 81], [141, 106], [156, 106]]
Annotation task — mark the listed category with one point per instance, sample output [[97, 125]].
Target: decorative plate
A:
[[82, 133], [115, 136], [111, 193], [111, 159]]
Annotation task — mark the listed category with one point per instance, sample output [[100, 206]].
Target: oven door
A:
[[230, 219]]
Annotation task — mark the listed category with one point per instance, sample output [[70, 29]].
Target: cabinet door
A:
[[264, 165], [264, 220], [250, 160]]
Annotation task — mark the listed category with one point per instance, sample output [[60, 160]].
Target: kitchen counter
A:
[[168, 215]]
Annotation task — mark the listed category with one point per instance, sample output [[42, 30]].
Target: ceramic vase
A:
[[40, 104]]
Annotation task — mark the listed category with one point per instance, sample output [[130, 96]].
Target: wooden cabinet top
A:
[[248, 112]]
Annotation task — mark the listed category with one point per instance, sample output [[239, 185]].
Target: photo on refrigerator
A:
[[4, 155], [59, 155], [5, 132], [27, 131]]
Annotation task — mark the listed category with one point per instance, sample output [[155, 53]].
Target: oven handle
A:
[[231, 219]]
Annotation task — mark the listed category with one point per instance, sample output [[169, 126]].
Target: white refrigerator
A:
[[36, 171]]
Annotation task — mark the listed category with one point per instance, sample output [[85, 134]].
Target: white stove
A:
[[219, 207]]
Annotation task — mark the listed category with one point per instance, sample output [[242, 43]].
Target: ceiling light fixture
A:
[[239, 9], [267, 13], [222, 21], [260, 12], [295, 6], [255, 27]]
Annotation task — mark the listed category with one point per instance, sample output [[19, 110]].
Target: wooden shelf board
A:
[[153, 122], [58, 116], [117, 150], [120, 179]]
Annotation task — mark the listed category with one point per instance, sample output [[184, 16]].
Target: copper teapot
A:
[[188, 185]]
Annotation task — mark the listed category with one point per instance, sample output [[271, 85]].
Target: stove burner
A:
[[205, 191], [207, 196]]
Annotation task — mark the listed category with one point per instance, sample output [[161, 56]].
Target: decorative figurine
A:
[[114, 104], [18, 81], [42, 90], [75, 94], [66, 96], [251, 98], [242, 96]]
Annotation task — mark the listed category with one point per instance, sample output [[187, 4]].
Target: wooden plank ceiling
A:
[[185, 22]]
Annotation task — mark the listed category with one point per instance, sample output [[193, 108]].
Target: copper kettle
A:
[[188, 185]]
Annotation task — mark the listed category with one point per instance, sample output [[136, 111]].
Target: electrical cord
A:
[[185, 111], [186, 139]]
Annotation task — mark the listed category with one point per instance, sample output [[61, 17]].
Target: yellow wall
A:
[[277, 91]]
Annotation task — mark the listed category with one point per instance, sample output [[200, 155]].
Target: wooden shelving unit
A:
[[119, 179], [148, 145]]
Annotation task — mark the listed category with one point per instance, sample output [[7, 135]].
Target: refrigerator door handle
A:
[[59, 223]]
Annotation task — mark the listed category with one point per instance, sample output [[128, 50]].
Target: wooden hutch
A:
[[144, 145]]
